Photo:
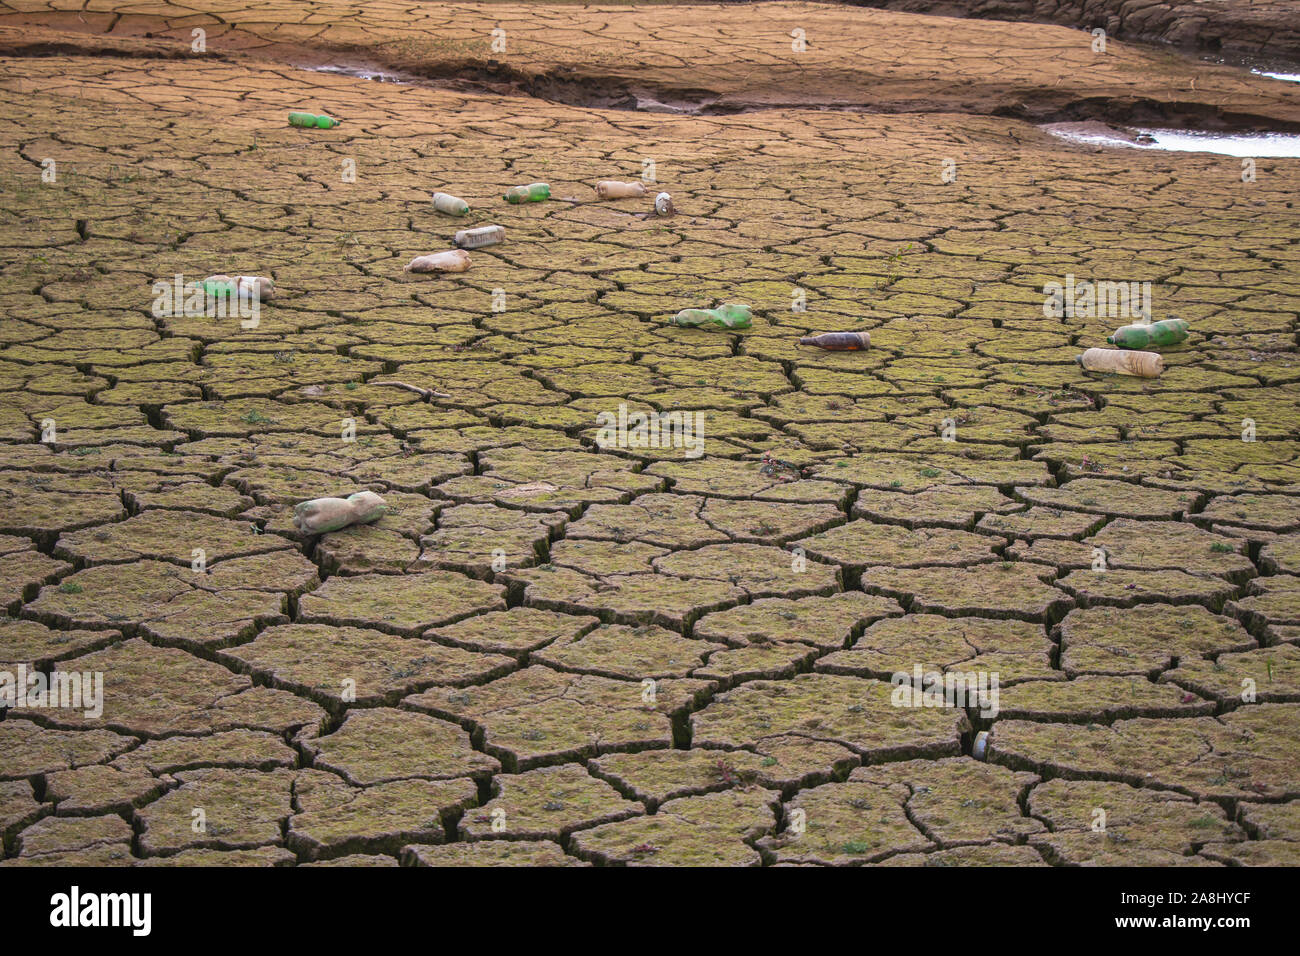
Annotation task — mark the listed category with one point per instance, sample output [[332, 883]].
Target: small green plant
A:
[[70, 587], [892, 265]]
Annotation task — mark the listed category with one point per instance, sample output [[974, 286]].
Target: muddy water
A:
[[1258, 145]]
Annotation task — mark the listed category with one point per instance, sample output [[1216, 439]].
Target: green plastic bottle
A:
[[1144, 334], [729, 315], [312, 121], [536, 192], [219, 288]]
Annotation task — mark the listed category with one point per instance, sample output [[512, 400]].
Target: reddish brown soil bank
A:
[[1261, 27]]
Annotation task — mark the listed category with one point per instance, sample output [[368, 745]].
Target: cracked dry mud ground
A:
[[485, 698]]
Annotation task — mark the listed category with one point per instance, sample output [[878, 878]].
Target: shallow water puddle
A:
[[359, 73], [1289, 77], [1229, 144], [1257, 145]]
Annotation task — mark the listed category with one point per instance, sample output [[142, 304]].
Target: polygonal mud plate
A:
[[515, 632], [538, 716], [1117, 587], [988, 854], [1241, 754], [335, 819], [1266, 674], [845, 823], [174, 536], [382, 745], [1098, 698], [546, 804], [825, 622], [717, 829], [232, 749], [959, 800], [1015, 650], [218, 809], [1005, 589], [858, 714], [154, 690], [624, 598], [1144, 640], [341, 666], [630, 653], [405, 604], [529, 853], [1119, 499], [101, 789], [1136, 818], [861, 544]]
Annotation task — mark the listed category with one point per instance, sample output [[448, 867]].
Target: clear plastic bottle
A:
[[330, 514], [449, 204], [1141, 364], [477, 238], [613, 189], [453, 260]]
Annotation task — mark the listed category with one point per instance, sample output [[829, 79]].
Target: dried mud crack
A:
[[552, 651]]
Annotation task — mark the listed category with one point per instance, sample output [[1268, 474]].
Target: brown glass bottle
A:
[[838, 341]]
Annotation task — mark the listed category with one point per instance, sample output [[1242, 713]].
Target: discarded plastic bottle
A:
[[330, 514], [613, 189], [1141, 364], [482, 236], [838, 341], [451, 205], [245, 287], [1144, 333], [453, 260], [729, 315], [535, 192], [311, 120]]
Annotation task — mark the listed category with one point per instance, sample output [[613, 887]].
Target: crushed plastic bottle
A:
[[1141, 364], [258, 288], [838, 341], [453, 260], [477, 238], [1144, 334], [613, 189], [312, 121], [449, 204], [729, 315], [330, 514], [535, 192]]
